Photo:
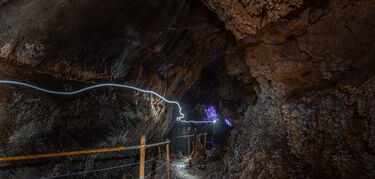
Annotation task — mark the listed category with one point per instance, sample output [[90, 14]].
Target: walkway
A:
[[180, 170]]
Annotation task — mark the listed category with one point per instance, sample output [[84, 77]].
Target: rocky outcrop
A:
[[246, 17], [66, 45], [310, 64], [33, 122], [315, 110]]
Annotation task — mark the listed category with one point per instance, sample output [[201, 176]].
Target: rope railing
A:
[[163, 175], [91, 171], [155, 157], [141, 163], [103, 169], [27, 157], [198, 135], [156, 144], [149, 175], [184, 136]]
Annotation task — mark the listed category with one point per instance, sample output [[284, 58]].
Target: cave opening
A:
[[201, 102]]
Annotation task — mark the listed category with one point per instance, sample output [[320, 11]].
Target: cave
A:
[[214, 89]]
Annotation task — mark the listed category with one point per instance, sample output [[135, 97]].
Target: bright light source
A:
[[211, 114], [214, 121], [227, 121]]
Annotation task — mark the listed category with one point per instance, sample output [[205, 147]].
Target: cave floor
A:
[[180, 169]]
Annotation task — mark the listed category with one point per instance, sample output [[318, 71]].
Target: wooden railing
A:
[[198, 135], [142, 147]]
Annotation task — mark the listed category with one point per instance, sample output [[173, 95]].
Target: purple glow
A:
[[227, 121], [212, 143], [211, 114]]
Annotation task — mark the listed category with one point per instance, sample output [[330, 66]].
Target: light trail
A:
[[179, 118]]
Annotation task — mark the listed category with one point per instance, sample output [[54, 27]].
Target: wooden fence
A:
[[198, 135], [142, 147]]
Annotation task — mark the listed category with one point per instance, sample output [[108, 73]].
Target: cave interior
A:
[[239, 88]]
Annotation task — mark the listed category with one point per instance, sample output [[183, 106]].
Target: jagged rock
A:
[[297, 81], [314, 111], [66, 45], [246, 17]]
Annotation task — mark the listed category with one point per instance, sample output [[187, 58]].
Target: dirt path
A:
[[180, 170]]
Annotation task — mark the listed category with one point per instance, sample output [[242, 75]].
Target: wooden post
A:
[[195, 142], [189, 144], [123, 176], [142, 157], [168, 160], [205, 138]]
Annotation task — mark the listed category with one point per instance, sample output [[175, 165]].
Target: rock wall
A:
[[310, 63], [66, 45], [246, 17], [33, 122], [314, 117]]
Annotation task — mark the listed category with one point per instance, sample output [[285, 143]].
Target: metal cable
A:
[[103, 169], [155, 170], [163, 175], [90, 171], [189, 136], [156, 144], [154, 158]]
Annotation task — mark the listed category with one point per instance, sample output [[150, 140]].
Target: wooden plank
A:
[[27, 157], [168, 161], [189, 145], [205, 140], [142, 154]]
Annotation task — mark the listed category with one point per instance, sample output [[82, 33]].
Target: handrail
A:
[[157, 144], [27, 157], [36, 156], [141, 147], [184, 136], [198, 135]]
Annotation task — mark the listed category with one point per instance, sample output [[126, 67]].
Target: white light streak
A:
[[179, 118]]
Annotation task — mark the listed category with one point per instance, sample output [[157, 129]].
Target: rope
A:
[[90, 171], [163, 175], [26, 157], [156, 144], [102, 169], [155, 170], [189, 136], [154, 158]]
